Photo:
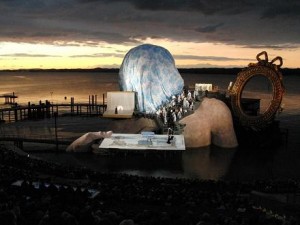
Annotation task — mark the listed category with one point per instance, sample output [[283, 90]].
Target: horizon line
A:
[[113, 68]]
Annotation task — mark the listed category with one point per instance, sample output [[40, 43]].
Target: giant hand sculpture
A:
[[85, 142]]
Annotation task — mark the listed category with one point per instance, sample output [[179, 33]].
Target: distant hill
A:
[[112, 70], [285, 71]]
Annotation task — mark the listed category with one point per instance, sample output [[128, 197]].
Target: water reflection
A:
[[243, 163], [257, 163], [201, 163], [260, 88], [207, 163]]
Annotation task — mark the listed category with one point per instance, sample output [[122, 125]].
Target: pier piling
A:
[[46, 109]]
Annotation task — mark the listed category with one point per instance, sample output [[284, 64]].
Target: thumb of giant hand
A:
[[84, 143]]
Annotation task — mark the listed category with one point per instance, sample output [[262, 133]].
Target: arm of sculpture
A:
[[84, 143]]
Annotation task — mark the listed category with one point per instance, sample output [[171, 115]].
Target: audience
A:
[[34, 191]]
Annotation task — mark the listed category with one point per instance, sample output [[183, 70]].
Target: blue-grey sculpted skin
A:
[[150, 71]]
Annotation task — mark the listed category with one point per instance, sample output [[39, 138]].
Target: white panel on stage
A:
[[203, 87], [123, 101], [142, 142]]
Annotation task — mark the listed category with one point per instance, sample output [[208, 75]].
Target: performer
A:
[[170, 135]]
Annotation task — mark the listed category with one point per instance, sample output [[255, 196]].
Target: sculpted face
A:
[[150, 71]]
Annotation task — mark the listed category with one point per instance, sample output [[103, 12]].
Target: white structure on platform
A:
[[203, 87], [120, 104]]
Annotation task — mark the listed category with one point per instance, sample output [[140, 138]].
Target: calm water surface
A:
[[55, 86], [204, 163]]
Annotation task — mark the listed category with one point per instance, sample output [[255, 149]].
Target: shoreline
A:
[[233, 70]]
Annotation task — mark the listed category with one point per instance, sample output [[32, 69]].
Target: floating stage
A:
[[144, 143]]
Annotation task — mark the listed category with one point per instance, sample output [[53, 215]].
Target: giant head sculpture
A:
[[150, 71]]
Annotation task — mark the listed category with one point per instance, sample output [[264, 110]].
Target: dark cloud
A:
[[283, 8], [209, 29], [130, 22], [274, 47], [207, 7]]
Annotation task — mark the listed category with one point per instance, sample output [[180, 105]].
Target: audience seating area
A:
[[33, 191]]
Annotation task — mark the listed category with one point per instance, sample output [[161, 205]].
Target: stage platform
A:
[[122, 114], [140, 142]]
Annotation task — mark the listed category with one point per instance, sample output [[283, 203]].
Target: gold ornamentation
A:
[[272, 73]]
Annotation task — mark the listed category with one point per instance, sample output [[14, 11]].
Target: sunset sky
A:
[[98, 33]]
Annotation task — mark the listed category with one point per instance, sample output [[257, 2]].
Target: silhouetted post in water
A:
[[29, 111], [57, 109], [47, 109], [72, 105], [104, 108], [89, 106], [55, 128], [16, 113], [96, 104], [93, 102], [51, 97], [39, 110]]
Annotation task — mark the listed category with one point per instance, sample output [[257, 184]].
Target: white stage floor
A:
[[140, 142]]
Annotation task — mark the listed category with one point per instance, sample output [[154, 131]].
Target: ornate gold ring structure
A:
[[272, 73]]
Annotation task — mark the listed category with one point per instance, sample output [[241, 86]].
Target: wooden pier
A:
[[46, 109], [9, 98]]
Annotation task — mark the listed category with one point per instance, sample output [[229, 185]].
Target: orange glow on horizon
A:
[[186, 54]]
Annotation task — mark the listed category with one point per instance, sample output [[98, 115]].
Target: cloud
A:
[[27, 55], [207, 7], [99, 55], [208, 58], [109, 66], [283, 8], [121, 51], [207, 65], [274, 47], [131, 22], [209, 29]]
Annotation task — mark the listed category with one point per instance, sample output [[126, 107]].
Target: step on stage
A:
[[143, 143]]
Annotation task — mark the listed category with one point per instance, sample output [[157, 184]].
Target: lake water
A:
[[205, 163], [59, 87], [55, 86]]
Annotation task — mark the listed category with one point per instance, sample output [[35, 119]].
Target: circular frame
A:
[[275, 78]]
